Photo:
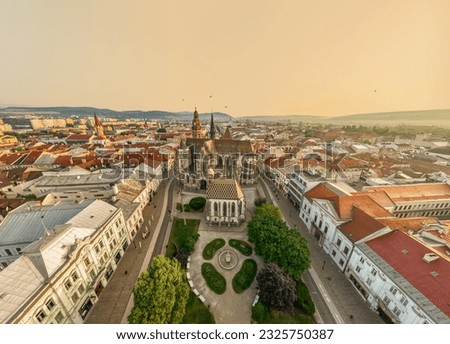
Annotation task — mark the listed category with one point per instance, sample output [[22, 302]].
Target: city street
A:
[[336, 300]]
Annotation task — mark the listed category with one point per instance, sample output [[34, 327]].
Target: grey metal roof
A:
[[30, 221], [84, 179]]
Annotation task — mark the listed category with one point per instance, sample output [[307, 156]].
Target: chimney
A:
[[429, 257]]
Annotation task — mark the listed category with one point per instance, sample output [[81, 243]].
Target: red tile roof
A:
[[381, 197], [9, 159], [361, 225], [322, 192], [345, 204], [408, 223], [64, 160], [405, 193], [414, 269], [32, 157]]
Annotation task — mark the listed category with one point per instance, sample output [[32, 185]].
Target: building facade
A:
[[59, 277]]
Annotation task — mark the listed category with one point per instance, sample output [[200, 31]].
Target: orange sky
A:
[[323, 57]]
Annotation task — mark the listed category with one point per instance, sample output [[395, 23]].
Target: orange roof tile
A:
[[322, 192], [405, 193], [361, 225], [345, 204], [408, 223], [31, 157], [381, 197]]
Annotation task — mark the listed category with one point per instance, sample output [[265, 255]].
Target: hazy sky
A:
[[315, 57]]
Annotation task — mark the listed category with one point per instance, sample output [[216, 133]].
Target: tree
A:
[[276, 242], [197, 203], [160, 293], [294, 255], [276, 288]]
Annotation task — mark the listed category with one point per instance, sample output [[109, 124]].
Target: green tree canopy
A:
[[160, 293], [277, 243]]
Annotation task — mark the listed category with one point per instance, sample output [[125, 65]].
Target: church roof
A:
[[220, 146], [227, 134], [224, 189]]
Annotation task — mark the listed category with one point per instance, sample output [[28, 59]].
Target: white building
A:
[[59, 276], [299, 183], [403, 280], [225, 202]]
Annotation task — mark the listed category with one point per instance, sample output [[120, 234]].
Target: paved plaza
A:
[[229, 307]]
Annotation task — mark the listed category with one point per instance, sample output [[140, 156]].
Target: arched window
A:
[[225, 209], [233, 209], [216, 208]]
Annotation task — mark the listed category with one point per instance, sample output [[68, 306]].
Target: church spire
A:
[[98, 127], [212, 130]]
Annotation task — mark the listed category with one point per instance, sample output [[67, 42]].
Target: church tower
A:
[[98, 127], [197, 130]]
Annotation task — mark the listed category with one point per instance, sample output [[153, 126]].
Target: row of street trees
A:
[[287, 256]]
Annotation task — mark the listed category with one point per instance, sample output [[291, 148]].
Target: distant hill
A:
[[410, 118], [282, 118], [66, 111]]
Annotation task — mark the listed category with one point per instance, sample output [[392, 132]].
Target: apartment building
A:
[[59, 276], [402, 279]]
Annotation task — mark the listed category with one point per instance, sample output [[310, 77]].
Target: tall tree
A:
[[277, 243], [160, 293], [276, 288]]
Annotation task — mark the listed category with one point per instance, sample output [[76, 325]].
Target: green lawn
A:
[[184, 237], [241, 246], [244, 278], [214, 280], [211, 248], [197, 312]]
